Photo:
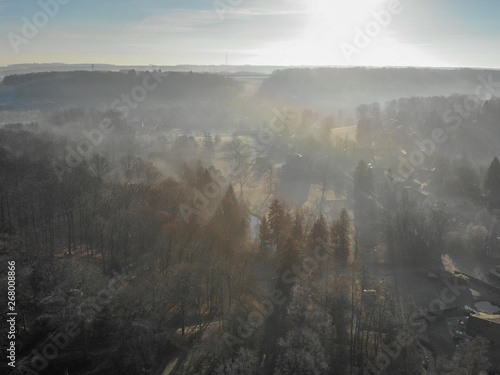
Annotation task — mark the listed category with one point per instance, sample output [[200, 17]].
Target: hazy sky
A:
[[263, 32]]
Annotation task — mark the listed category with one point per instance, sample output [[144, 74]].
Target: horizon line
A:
[[255, 65]]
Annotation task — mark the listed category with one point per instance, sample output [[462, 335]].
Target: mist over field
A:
[[249, 188]]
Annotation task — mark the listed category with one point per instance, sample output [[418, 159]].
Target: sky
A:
[[442, 33]]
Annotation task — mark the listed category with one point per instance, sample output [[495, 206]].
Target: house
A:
[[487, 326]]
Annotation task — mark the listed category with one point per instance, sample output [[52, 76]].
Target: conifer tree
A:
[[492, 182], [276, 218], [265, 236], [340, 232]]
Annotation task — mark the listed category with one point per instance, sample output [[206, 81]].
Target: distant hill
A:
[[55, 67], [351, 86], [320, 88], [50, 90]]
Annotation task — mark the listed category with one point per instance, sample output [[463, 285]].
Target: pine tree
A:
[[288, 259], [318, 236], [319, 232], [265, 236], [492, 182], [276, 221], [297, 228], [340, 233], [231, 217]]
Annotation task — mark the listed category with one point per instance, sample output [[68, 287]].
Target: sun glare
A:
[[329, 24]]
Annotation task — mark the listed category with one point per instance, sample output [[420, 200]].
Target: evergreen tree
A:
[[492, 182], [276, 221], [231, 218], [265, 236], [317, 236], [288, 259], [340, 233], [297, 228], [319, 230]]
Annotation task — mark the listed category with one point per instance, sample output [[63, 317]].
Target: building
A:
[[487, 326]]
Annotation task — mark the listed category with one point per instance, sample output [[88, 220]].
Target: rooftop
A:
[[489, 317]]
